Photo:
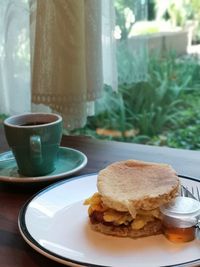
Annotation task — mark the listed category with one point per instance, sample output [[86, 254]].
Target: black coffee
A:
[[34, 123]]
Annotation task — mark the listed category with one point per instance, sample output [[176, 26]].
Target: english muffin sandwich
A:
[[129, 196]]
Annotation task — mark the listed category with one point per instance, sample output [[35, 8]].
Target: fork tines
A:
[[189, 193], [198, 194]]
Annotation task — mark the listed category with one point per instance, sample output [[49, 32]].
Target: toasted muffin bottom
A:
[[151, 228]]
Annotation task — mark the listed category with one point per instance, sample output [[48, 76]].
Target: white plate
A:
[[69, 161], [55, 223]]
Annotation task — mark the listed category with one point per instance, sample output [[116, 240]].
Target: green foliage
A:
[[110, 112], [153, 105], [3, 116], [165, 109], [195, 15], [186, 133], [187, 138]]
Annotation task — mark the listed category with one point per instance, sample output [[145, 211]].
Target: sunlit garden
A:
[[164, 108]]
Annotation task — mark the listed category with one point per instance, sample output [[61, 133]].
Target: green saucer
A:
[[69, 162]]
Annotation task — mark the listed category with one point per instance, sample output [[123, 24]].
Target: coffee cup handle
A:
[[35, 147]]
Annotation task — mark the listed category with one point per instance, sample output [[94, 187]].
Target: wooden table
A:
[[14, 252]]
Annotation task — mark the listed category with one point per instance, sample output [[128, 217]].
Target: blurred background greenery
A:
[[164, 108]]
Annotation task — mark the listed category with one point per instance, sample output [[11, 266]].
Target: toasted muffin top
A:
[[132, 185]]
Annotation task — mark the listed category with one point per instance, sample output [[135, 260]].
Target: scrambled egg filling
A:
[[118, 218]]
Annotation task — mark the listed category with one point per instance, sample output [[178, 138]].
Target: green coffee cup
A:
[[34, 139]]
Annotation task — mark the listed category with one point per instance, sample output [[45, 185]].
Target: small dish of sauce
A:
[[180, 218]]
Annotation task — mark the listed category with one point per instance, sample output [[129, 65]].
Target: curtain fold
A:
[[59, 69]]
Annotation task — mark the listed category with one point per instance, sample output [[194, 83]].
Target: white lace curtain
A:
[[65, 72], [14, 57]]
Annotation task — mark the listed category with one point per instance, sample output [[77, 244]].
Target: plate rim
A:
[[49, 177], [60, 259]]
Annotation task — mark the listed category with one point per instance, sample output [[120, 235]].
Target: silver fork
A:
[[187, 193], [198, 198], [195, 194], [198, 194]]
